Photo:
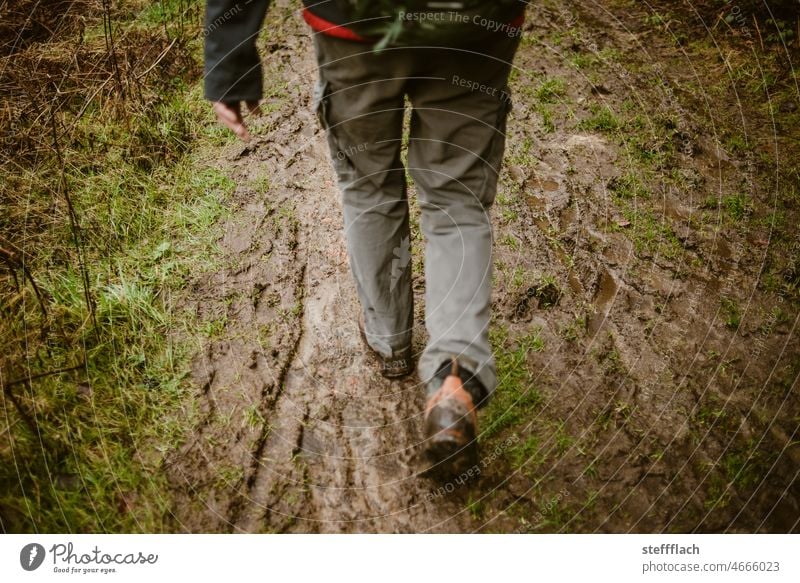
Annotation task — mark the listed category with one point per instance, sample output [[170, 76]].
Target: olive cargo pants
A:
[[459, 100]]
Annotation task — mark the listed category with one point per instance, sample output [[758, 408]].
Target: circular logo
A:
[[31, 556]]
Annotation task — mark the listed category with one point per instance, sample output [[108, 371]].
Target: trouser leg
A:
[[455, 151], [360, 101]]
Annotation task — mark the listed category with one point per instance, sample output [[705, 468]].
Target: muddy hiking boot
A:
[[451, 422], [399, 365]]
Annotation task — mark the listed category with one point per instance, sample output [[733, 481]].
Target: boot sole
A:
[[387, 374], [448, 457]]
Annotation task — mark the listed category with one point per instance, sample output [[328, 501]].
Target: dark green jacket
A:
[[232, 64]]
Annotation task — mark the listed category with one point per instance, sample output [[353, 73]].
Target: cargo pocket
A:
[[345, 170], [320, 105]]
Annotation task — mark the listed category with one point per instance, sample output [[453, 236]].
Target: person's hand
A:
[[230, 115]]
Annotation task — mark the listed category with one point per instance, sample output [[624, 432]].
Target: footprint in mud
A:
[[607, 289]]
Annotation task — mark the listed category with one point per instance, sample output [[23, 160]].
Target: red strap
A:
[[329, 28], [326, 27]]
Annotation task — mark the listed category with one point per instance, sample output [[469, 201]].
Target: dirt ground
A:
[[649, 377]]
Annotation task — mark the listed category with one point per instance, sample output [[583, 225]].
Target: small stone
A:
[[84, 390], [518, 174]]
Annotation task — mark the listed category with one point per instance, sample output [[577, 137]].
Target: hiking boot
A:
[[400, 364], [451, 421]]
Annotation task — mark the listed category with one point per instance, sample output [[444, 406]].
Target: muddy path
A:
[[636, 395]]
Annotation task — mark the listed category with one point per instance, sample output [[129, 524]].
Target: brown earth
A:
[[661, 397]]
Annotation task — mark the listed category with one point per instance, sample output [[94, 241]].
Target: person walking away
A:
[[452, 62]]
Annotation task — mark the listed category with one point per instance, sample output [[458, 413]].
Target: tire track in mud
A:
[[240, 371]]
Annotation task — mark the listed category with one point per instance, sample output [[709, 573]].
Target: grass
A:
[[80, 450], [738, 471], [602, 119], [131, 365], [656, 20], [528, 456], [520, 156], [550, 90], [83, 450], [546, 118], [730, 313], [515, 405], [737, 206], [649, 230], [475, 508], [651, 233], [563, 440], [575, 329], [519, 276], [582, 60], [515, 397], [542, 98], [510, 241]]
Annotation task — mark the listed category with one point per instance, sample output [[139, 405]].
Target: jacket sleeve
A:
[[232, 63]]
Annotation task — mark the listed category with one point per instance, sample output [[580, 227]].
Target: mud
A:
[[645, 391]]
